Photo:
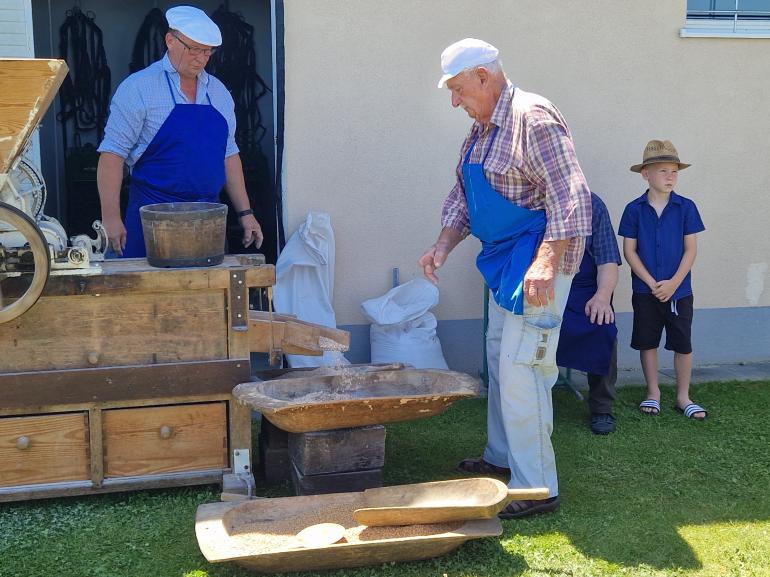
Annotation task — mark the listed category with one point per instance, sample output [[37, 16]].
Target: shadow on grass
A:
[[625, 496]]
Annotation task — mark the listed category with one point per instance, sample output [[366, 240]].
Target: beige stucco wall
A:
[[373, 142]]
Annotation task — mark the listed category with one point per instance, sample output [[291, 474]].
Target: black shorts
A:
[[651, 315]]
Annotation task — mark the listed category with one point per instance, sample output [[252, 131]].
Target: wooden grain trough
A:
[[355, 397], [262, 534]]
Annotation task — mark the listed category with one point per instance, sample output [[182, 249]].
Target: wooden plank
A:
[[170, 382], [121, 276], [113, 330], [238, 315], [293, 336], [339, 450], [43, 449], [156, 440], [239, 423], [96, 446], [28, 86], [50, 490]]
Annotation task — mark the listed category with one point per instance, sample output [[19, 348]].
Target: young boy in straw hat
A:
[[659, 230]]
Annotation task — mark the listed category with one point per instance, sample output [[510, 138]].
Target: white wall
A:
[[16, 29], [371, 140]]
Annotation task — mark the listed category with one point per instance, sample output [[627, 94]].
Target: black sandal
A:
[[480, 467], [519, 509]]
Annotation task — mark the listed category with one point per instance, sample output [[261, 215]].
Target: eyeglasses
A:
[[194, 50]]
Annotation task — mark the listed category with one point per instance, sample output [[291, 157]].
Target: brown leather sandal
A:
[[479, 466], [519, 509]]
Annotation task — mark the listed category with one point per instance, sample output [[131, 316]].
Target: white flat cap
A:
[[195, 24], [466, 53]]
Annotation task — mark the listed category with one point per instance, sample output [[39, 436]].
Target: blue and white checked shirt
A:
[[602, 245], [143, 101]]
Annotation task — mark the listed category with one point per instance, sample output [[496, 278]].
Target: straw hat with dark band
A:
[[659, 151]]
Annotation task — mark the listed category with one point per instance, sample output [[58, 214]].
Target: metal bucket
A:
[[184, 234]]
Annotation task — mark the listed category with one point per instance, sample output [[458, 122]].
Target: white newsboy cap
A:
[[195, 24], [466, 53]]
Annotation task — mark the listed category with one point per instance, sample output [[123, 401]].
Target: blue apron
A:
[[183, 163], [583, 345], [509, 234]]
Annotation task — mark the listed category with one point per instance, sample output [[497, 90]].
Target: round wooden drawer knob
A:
[[22, 443], [93, 358], [165, 432]]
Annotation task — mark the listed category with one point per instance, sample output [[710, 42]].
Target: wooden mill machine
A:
[[115, 375]]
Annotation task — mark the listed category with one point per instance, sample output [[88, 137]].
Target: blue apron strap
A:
[[473, 145], [170, 87]]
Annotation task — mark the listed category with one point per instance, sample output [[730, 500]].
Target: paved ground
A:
[[702, 374]]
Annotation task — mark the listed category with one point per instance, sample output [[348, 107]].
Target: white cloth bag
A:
[[305, 283], [402, 329]]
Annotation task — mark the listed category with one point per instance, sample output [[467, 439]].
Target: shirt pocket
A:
[[539, 339]]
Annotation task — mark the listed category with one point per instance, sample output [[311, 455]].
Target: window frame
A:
[[730, 25]]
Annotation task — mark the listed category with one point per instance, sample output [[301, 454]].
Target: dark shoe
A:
[[519, 509], [602, 423], [481, 467]]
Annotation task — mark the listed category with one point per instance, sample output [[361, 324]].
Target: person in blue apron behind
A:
[[173, 125], [521, 192], [588, 338]]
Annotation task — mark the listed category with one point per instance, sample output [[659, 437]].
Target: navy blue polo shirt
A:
[[660, 240]]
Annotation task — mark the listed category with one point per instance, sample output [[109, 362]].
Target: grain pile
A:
[[266, 529]]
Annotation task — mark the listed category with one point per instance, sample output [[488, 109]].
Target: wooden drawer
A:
[[43, 449], [171, 439]]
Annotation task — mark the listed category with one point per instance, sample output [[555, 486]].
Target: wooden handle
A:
[[22, 443], [165, 432], [536, 494]]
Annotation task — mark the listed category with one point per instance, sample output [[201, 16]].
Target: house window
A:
[[727, 19]]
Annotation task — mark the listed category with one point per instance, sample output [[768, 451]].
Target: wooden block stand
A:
[[337, 461], [274, 465], [122, 380]]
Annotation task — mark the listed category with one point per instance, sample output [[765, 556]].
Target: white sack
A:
[[402, 329], [305, 282]]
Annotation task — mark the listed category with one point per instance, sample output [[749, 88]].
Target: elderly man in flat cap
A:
[[521, 191], [174, 126]]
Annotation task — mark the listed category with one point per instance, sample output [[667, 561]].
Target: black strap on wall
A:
[[150, 43], [235, 64], [85, 93]]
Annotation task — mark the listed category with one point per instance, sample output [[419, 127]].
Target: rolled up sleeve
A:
[[454, 213], [552, 161], [124, 124]]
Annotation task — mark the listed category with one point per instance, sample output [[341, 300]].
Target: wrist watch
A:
[[245, 212]]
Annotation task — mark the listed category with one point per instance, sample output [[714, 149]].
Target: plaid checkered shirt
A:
[[531, 163]]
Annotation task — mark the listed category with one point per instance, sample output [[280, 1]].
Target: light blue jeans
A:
[[519, 404]]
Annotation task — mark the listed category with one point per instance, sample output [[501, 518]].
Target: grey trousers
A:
[[521, 356]]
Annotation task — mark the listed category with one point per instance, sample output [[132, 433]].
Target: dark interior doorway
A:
[[101, 50]]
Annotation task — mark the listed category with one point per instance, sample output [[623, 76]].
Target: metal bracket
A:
[[239, 301], [242, 469], [241, 461]]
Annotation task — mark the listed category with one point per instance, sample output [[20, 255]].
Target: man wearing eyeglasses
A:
[[173, 125]]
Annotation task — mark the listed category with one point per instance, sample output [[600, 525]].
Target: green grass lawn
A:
[[662, 496]]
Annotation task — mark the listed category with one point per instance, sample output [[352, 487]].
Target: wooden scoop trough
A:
[[341, 397], [439, 502], [269, 535]]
